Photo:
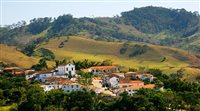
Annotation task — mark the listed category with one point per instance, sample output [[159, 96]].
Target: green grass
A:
[[7, 108], [78, 48], [9, 54]]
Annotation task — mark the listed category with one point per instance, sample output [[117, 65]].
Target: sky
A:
[[12, 11]]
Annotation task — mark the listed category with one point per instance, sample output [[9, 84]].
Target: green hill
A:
[[169, 60], [79, 48], [155, 25]]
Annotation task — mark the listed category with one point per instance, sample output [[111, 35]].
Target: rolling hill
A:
[[9, 54], [79, 48], [127, 40]]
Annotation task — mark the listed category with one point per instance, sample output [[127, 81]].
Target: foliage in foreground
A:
[[29, 96]]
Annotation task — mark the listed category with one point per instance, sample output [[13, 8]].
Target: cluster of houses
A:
[[64, 77]]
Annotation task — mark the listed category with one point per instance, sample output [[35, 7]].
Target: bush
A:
[[138, 50], [45, 53]]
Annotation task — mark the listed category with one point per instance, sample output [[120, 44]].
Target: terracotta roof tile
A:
[[130, 81], [10, 68], [103, 67], [149, 86]]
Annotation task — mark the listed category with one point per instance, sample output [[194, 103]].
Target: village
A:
[[105, 79]]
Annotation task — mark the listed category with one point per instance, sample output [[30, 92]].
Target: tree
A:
[[85, 78], [38, 25], [41, 65], [155, 72]]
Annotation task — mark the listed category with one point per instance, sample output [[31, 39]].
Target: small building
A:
[[30, 74], [11, 70], [68, 69], [126, 83], [61, 83], [141, 76], [49, 87], [114, 82], [43, 75], [71, 86], [133, 89], [102, 69]]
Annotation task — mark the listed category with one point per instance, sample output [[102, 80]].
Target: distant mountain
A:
[[157, 19], [155, 25]]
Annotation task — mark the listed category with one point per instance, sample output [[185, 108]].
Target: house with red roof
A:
[[102, 69], [61, 83]]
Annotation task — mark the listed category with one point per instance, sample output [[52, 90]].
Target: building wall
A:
[[100, 71], [130, 84], [114, 82], [61, 70], [42, 77], [51, 87], [70, 69], [71, 87], [67, 69]]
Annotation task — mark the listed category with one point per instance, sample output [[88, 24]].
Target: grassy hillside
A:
[[79, 48], [9, 54], [82, 48]]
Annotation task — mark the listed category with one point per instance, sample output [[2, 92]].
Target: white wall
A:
[[71, 87], [42, 77], [67, 69]]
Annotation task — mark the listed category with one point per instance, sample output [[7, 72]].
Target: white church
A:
[[68, 69]]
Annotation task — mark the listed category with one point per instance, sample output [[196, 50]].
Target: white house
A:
[[114, 82], [102, 69], [42, 76], [68, 69], [48, 87], [71, 87], [60, 83], [133, 89]]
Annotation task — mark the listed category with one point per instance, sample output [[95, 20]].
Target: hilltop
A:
[[155, 25]]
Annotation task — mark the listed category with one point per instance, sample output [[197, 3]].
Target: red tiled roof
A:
[[10, 68], [130, 81], [149, 86], [19, 73], [103, 67], [58, 80]]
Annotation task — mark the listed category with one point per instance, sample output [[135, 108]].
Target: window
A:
[[77, 86], [72, 86], [67, 69], [72, 69]]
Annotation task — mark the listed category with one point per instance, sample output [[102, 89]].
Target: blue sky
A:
[[13, 11]]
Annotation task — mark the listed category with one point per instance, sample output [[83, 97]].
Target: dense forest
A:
[[156, 25], [155, 20]]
